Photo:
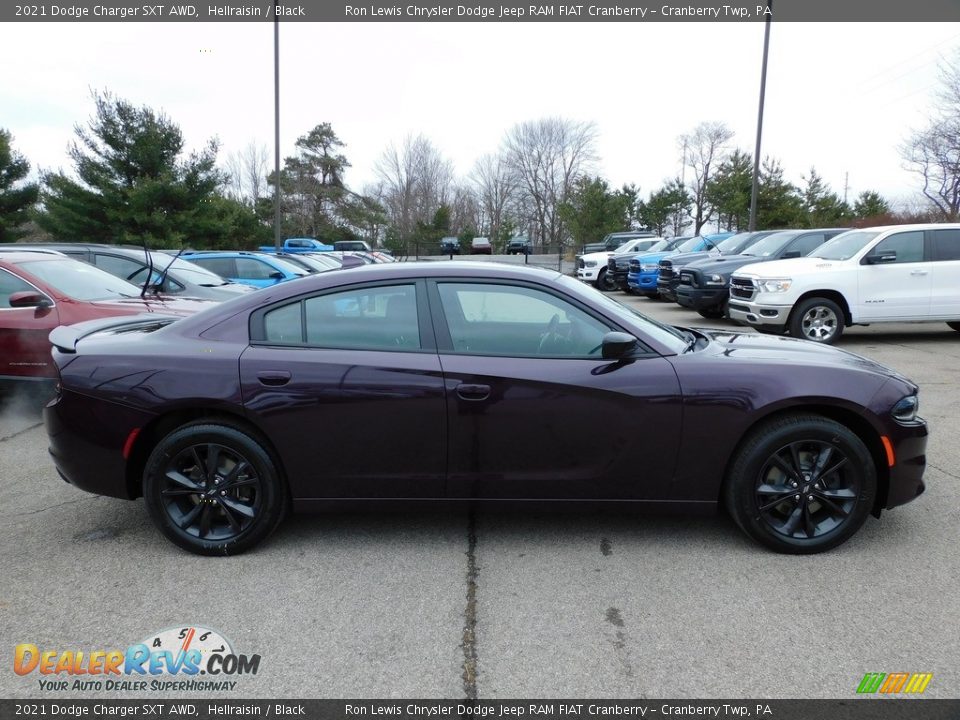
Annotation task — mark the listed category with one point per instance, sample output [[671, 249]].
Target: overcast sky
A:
[[841, 97]]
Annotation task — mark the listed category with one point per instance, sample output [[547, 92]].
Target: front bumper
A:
[[667, 289], [754, 313], [909, 444], [701, 298], [587, 274], [643, 282]]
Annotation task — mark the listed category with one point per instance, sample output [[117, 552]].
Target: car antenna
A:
[[146, 284]]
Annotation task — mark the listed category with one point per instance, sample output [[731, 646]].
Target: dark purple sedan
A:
[[480, 382]]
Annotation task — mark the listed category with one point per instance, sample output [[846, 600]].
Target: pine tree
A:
[[15, 201]]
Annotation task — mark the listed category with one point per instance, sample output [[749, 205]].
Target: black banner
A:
[[164, 709], [482, 11]]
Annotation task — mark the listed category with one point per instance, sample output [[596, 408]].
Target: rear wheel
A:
[[801, 484], [213, 489], [817, 319], [605, 281]]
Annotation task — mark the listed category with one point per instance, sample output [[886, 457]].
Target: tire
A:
[[714, 313], [206, 511], [651, 295], [605, 282], [817, 319], [776, 464], [954, 326]]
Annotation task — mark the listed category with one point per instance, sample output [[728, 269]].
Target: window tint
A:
[[10, 284], [120, 267], [517, 321], [284, 325], [907, 245], [806, 244], [224, 267], [946, 244], [251, 269]]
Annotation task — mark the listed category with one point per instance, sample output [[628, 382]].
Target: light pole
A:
[[276, 129], [755, 186]]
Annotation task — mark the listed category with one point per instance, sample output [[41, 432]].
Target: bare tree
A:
[[416, 180], [495, 185], [546, 156], [703, 150], [247, 172], [933, 153]]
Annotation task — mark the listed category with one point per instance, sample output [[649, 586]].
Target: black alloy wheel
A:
[[605, 281], [213, 489], [801, 484]]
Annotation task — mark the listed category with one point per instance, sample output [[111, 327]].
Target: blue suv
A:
[[642, 276], [259, 270]]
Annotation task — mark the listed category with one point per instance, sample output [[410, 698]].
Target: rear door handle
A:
[[918, 272], [473, 392], [273, 378]]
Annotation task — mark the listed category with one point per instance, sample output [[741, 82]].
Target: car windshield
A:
[[181, 270], [770, 245], [660, 245], [666, 334], [689, 245], [289, 267], [844, 246], [735, 243], [80, 280]]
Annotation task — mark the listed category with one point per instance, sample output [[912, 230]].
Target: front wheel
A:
[[213, 489], [714, 313], [801, 484], [817, 319], [605, 282], [954, 326]]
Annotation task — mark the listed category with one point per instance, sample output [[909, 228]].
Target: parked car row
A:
[[809, 283]]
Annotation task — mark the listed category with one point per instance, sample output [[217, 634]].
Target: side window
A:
[[805, 244], [946, 244], [120, 267], [517, 321], [10, 284], [379, 318], [907, 245], [224, 267], [252, 269]]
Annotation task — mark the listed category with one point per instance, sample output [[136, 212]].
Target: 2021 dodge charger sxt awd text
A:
[[479, 383]]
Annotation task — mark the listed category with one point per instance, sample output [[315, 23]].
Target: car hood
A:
[[794, 266], [724, 265], [790, 351], [600, 257], [648, 258], [158, 305], [689, 257]]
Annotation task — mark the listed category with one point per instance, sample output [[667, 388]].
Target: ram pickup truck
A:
[[299, 245], [642, 271], [705, 284], [611, 241], [901, 273]]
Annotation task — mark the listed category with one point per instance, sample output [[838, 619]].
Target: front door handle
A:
[[473, 392], [273, 378], [918, 272]]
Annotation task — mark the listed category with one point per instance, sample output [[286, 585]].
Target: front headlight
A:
[[906, 409], [590, 263], [774, 285], [649, 267], [714, 280]]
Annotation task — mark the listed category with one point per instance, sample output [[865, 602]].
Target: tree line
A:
[[133, 182]]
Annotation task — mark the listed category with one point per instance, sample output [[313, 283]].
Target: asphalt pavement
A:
[[505, 604]]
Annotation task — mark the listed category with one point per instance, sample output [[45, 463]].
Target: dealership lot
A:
[[552, 604]]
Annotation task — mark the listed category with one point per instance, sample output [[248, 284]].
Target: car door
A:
[[534, 411], [347, 385], [24, 348], [898, 290], [945, 274]]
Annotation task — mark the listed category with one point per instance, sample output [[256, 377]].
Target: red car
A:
[[43, 290]]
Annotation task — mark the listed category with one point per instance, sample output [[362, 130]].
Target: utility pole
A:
[[276, 129], [754, 190], [846, 186]]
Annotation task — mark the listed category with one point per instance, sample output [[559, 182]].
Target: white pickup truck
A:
[[898, 273]]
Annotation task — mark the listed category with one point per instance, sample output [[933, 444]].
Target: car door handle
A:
[[918, 272], [273, 378], [473, 392]]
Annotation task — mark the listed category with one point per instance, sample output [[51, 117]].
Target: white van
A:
[[898, 273]]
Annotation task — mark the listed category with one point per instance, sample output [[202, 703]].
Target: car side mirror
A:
[[617, 344], [29, 298], [791, 254], [276, 275], [887, 256]]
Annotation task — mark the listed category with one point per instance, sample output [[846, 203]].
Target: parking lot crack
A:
[[48, 508], [945, 472], [20, 432], [469, 639]]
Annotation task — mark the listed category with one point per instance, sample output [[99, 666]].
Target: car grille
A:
[[580, 263], [666, 271], [688, 278], [612, 265], [742, 288], [634, 266]]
